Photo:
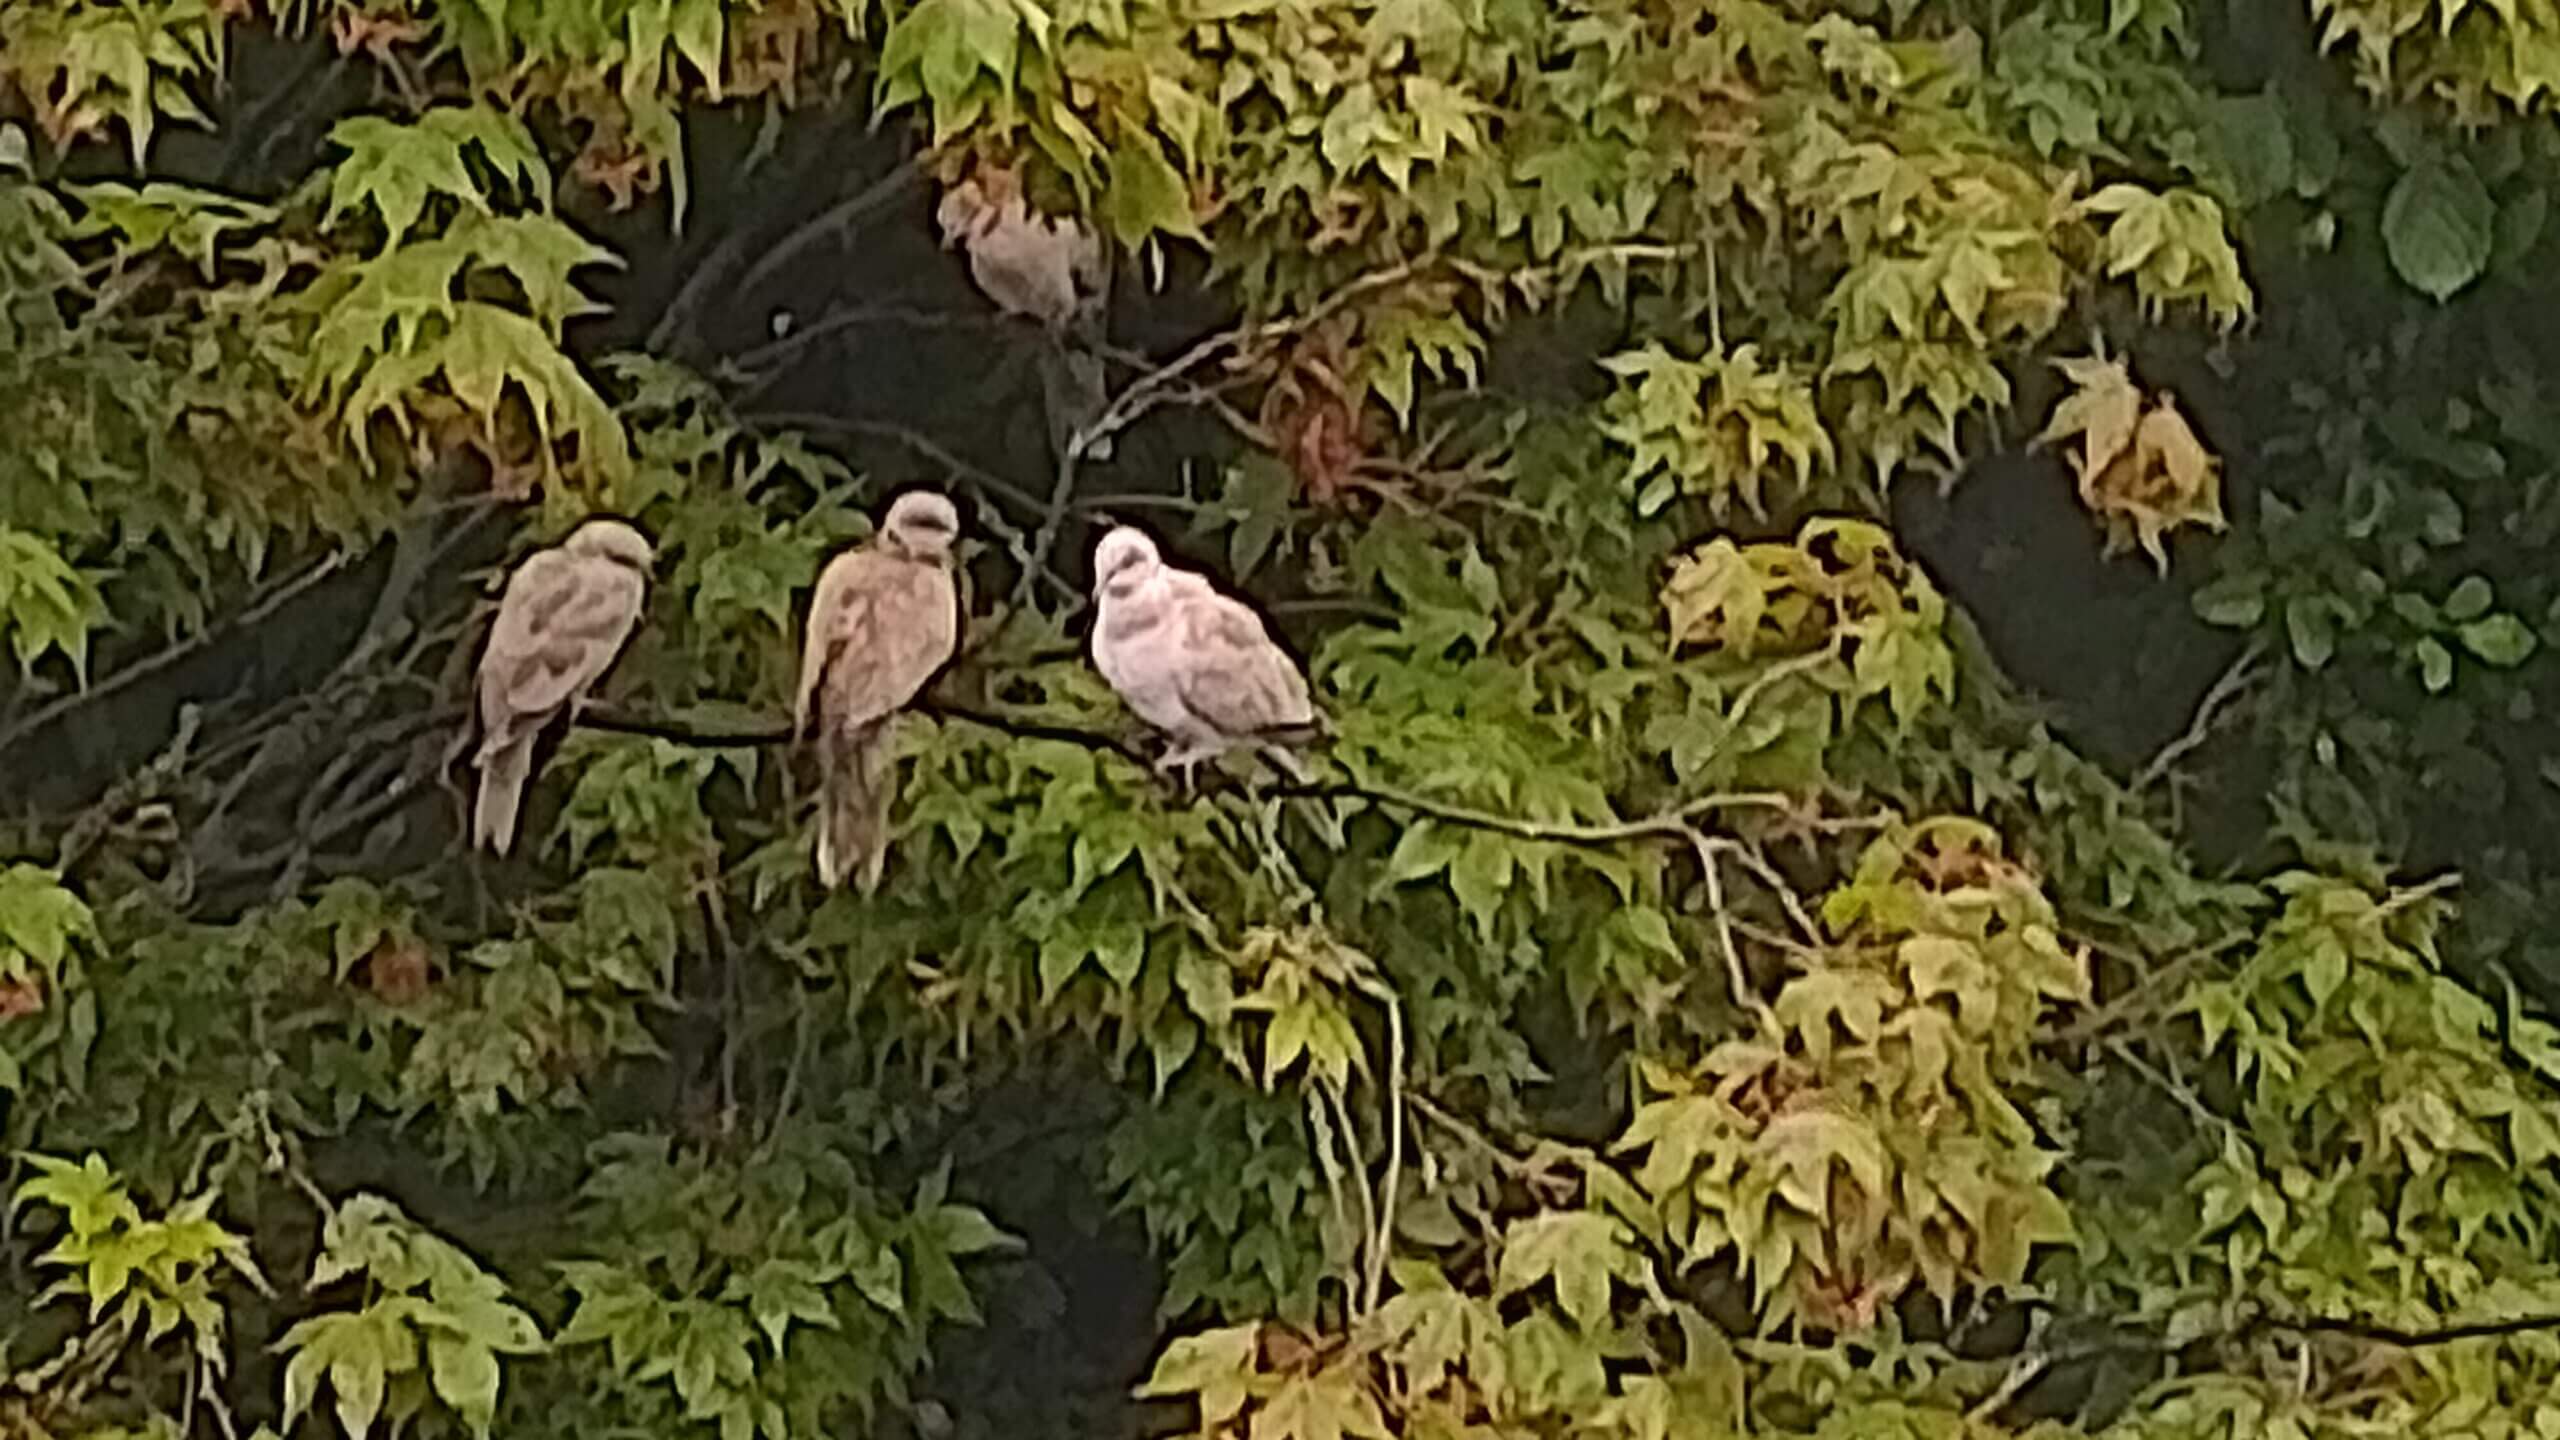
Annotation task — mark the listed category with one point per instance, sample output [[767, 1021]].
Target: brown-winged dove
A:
[[565, 614], [1194, 664], [885, 618]]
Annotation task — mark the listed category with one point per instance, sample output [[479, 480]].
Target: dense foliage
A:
[[1696, 994]]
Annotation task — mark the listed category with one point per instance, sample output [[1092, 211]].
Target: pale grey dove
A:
[[1195, 664], [886, 616], [1051, 270], [566, 613]]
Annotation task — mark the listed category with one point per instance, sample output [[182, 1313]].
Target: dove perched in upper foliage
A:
[[885, 618], [1048, 269], [565, 614], [1193, 663]]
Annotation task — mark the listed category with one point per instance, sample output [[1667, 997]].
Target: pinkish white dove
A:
[[1194, 664]]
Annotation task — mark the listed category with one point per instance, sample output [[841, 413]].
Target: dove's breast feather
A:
[[1138, 649], [879, 627]]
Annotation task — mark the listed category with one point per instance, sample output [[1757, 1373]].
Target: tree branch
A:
[[2226, 689], [1671, 824], [697, 287], [742, 369], [879, 195], [282, 594]]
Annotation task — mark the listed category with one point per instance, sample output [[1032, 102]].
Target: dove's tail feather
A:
[[857, 771], [504, 769]]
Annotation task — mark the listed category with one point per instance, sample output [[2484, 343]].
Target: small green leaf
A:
[[1578, 1250], [45, 604], [2438, 225], [2469, 599], [2520, 224], [2314, 635], [2435, 665], [465, 1373], [2501, 640], [2256, 144], [1216, 1365], [2235, 602], [965, 1230]]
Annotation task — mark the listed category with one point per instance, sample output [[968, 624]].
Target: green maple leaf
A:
[[1216, 1365], [395, 168], [39, 917], [45, 604], [1326, 1406], [1579, 1251], [1807, 1143], [778, 1292], [1145, 194], [358, 1352], [540, 252], [465, 1374]]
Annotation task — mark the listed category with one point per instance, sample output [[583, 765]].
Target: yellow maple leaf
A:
[[2102, 409], [2142, 469]]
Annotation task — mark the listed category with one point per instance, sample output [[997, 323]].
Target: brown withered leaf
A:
[[397, 970], [23, 996]]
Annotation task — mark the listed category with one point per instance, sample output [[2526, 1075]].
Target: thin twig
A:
[[2134, 1003], [1384, 1241], [1744, 996], [1320, 1139], [977, 475], [2021, 1374], [2187, 1099], [1149, 390], [1669, 824], [2226, 689], [2420, 1339], [715, 927], [1361, 1295], [802, 1023]]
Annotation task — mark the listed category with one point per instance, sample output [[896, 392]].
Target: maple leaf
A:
[[2141, 469], [397, 168], [1331, 1405], [1580, 1251], [1216, 1365], [2103, 409]]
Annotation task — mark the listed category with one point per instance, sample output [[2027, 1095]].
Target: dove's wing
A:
[[1234, 676], [561, 621]]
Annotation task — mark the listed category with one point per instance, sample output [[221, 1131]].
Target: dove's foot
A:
[[1180, 766]]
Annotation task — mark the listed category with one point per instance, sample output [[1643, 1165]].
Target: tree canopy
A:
[[1932, 615]]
